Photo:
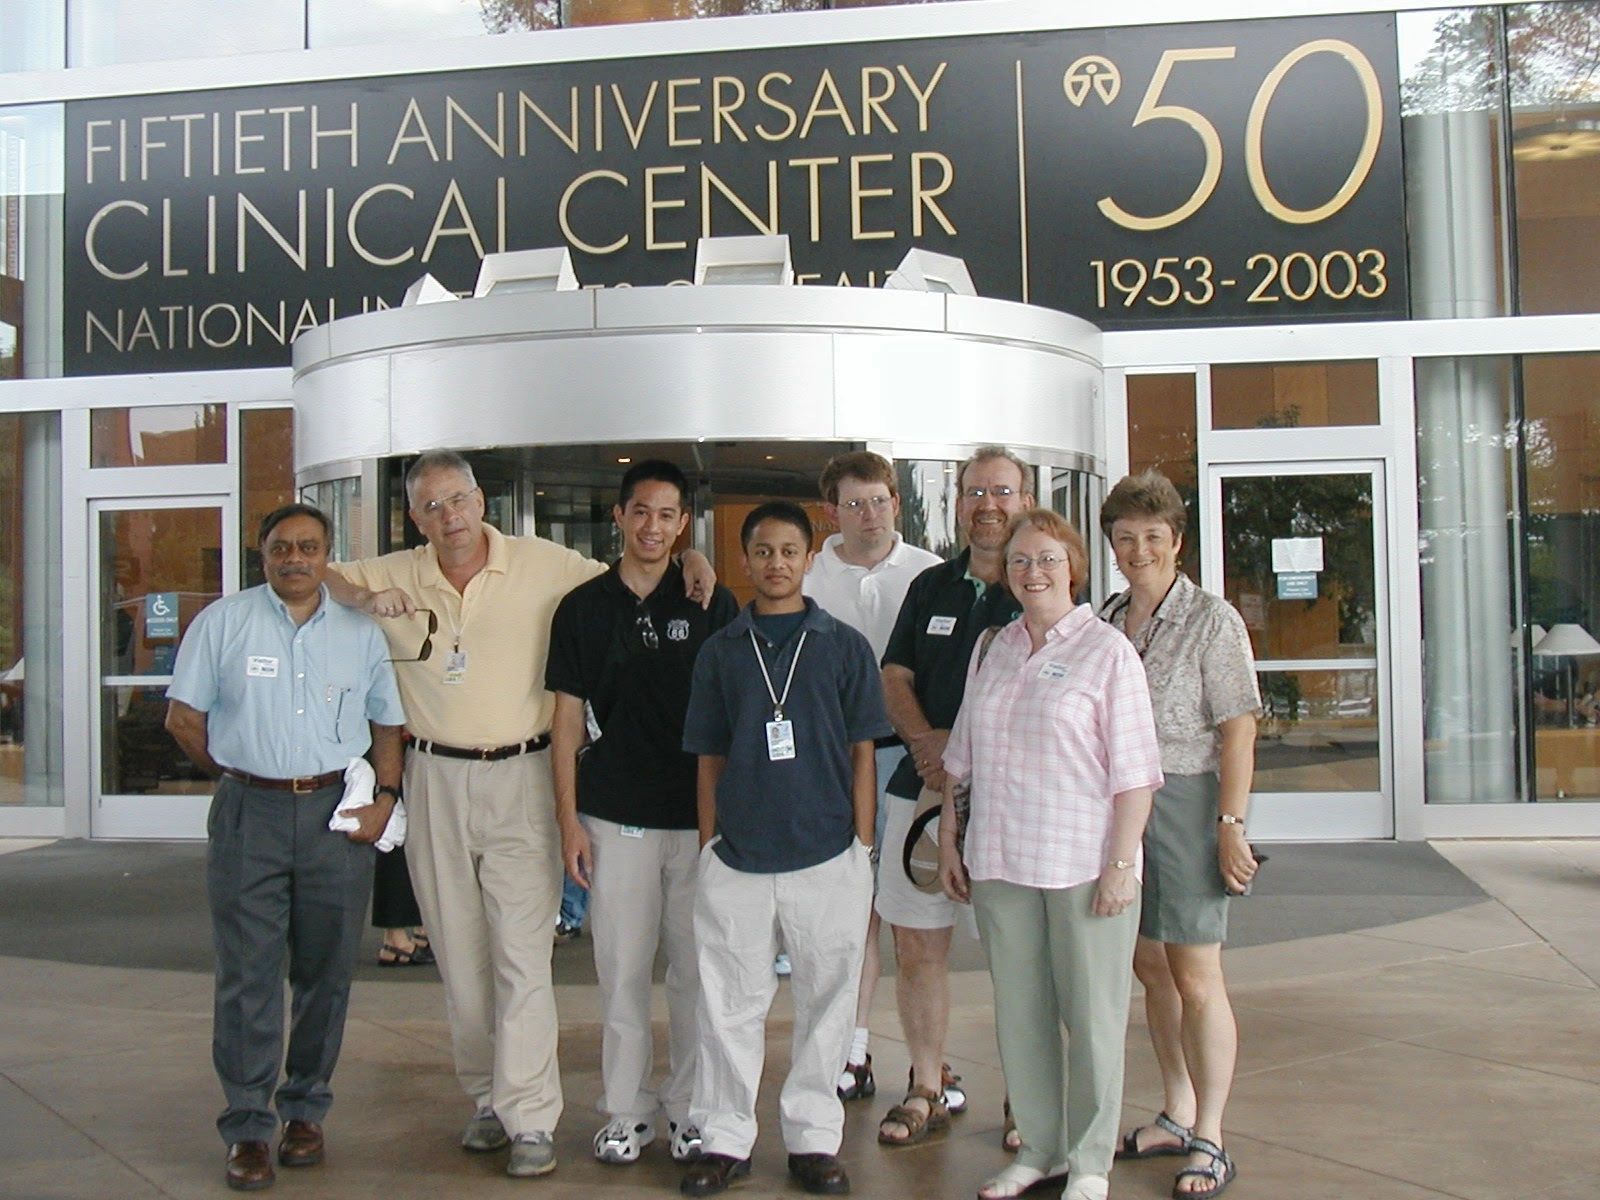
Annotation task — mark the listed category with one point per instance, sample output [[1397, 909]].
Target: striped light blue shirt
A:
[[283, 700]]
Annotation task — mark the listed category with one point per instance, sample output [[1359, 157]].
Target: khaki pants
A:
[[1054, 965], [822, 912], [643, 896], [485, 859]]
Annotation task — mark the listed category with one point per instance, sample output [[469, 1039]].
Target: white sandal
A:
[[1010, 1183], [1088, 1187]]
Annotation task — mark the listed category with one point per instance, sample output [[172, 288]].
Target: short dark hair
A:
[[1150, 495], [775, 510], [861, 465], [282, 513], [985, 453], [653, 470]]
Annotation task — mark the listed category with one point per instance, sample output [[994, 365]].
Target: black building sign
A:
[[1142, 177]]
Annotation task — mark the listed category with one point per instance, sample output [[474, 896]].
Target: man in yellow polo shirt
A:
[[484, 848]]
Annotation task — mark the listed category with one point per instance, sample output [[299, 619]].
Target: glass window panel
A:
[[1294, 395], [33, 35], [1561, 445], [1469, 558], [340, 499], [1318, 732], [359, 22], [1554, 71], [1450, 71], [30, 610], [1162, 436], [613, 12], [928, 503], [104, 32], [266, 470], [164, 436], [1340, 620], [31, 176]]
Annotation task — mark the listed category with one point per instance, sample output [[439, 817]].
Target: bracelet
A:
[[1120, 864]]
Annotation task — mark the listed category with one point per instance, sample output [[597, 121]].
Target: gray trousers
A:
[[280, 883]]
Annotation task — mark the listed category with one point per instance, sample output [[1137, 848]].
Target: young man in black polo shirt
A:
[[622, 652], [787, 702]]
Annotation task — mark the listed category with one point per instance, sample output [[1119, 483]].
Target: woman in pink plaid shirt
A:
[[1058, 745]]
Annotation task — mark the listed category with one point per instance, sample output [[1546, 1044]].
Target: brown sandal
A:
[[919, 1126]]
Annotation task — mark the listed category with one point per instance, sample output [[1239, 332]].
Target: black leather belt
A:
[[300, 784], [493, 754]]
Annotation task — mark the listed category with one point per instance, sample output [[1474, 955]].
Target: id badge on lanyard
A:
[[780, 730]]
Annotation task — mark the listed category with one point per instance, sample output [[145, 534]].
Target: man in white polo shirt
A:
[[860, 576]]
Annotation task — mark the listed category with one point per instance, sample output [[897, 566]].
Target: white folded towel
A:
[[359, 780]]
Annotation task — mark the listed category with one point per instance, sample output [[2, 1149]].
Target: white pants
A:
[[485, 860], [643, 895], [822, 914]]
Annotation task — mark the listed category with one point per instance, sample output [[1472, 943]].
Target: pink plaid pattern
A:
[[1047, 740]]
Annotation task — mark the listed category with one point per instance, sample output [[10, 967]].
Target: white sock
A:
[[858, 1046]]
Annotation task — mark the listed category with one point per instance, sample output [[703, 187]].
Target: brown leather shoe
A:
[[712, 1173], [819, 1174], [301, 1145], [249, 1166]]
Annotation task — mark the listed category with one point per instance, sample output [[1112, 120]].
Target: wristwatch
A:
[[382, 788], [1120, 864], [1230, 819]]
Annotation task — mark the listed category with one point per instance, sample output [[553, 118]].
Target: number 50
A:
[[1151, 109]]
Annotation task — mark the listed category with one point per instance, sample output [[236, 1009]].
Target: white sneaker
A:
[[532, 1154], [686, 1144], [619, 1142]]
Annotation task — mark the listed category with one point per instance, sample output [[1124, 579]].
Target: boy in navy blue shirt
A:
[[785, 707]]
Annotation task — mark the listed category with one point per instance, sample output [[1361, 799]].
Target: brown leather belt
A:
[[300, 785], [492, 754]]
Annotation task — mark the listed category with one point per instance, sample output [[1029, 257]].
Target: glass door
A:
[[1296, 550], [157, 563]]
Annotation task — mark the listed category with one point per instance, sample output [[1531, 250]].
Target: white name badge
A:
[[1053, 670], [780, 740], [455, 666], [632, 831], [261, 666], [942, 626]]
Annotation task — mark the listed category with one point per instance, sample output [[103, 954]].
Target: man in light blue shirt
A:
[[275, 690]]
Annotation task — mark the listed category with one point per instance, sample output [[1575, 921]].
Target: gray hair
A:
[[437, 460], [984, 454]]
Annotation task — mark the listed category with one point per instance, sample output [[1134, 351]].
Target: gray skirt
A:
[[1185, 899]]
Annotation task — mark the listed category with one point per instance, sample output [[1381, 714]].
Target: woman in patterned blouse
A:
[[1056, 739], [1202, 679]]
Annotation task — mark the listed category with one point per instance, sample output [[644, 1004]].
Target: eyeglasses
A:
[[875, 503], [1045, 562], [999, 493], [454, 503], [427, 642], [647, 629]]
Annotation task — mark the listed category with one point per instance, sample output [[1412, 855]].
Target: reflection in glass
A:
[[158, 568], [1339, 618], [1162, 436], [166, 436], [1554, 73], [1468, 529], [1450, 70], [137, 754], [928, 503], [31, 175], [266, 477], [613, 12], [104, 32], [1294, 395], [359, 22], [1318, 732], [33, 35], [340, 500]]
